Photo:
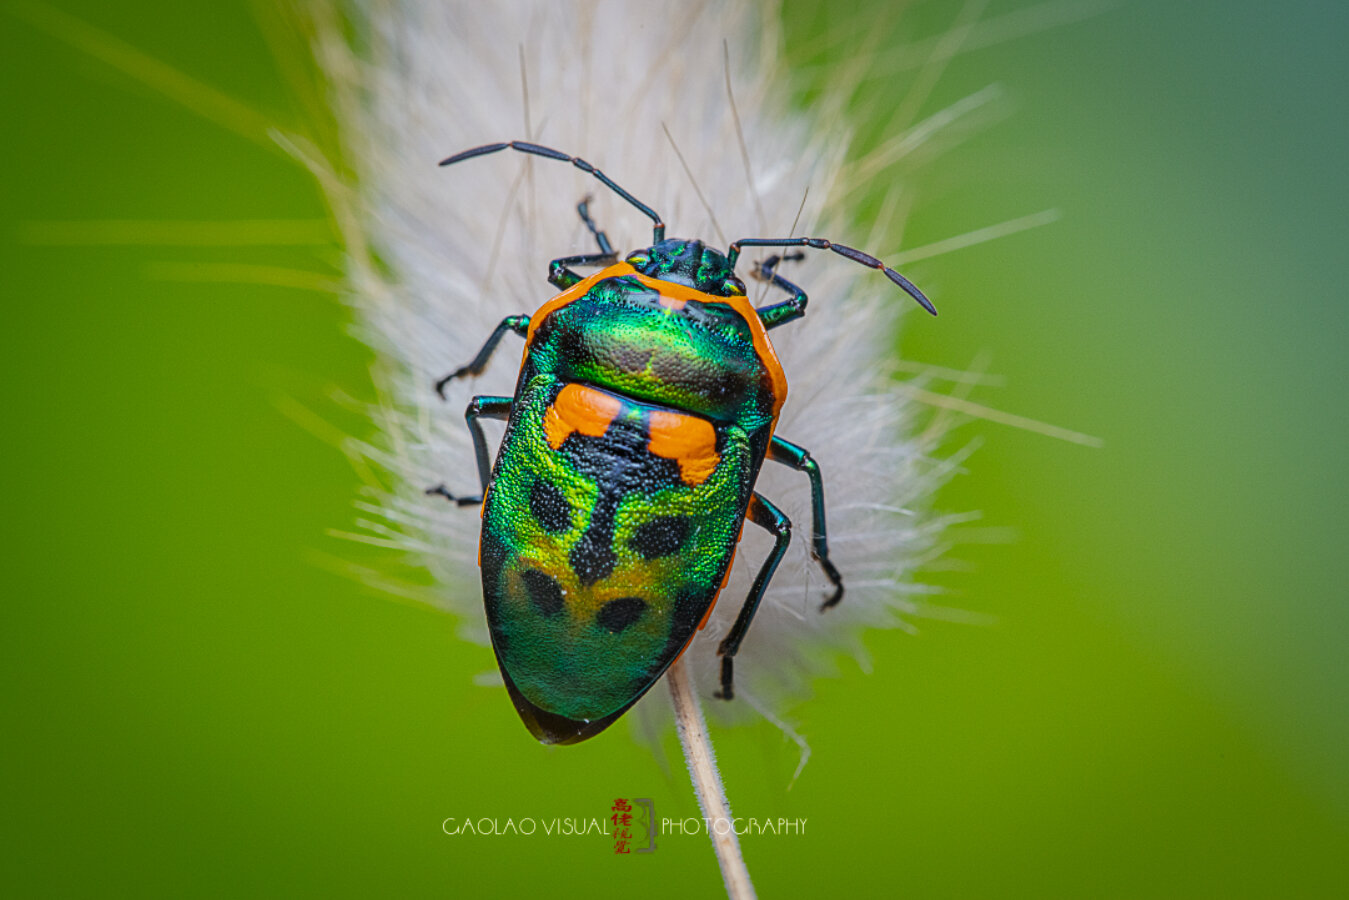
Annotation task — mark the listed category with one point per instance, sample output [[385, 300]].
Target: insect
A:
[[645, 407]]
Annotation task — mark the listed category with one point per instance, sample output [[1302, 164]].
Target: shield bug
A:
[[644, 409]]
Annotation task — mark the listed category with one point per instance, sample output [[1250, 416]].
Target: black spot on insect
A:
[[661, 536], [620, 463], [571, 344], [544, 330], [629, 358], [617, 615], [549, 505], [726, 384], [544, 592], [592, 559]]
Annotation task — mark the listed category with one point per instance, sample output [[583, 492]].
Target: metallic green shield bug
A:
[[645, 406]]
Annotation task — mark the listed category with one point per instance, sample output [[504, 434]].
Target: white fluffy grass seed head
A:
[[437, 257]]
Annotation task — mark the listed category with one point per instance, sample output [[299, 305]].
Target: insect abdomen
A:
[[607, 531]]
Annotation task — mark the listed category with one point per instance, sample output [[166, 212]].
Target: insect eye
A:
[[733, 287], [638, 259]]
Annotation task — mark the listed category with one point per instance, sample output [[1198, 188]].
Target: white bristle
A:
[[459, 248]]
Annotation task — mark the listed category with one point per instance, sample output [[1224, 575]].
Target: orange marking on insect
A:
[[579, 409], [482, 513], [688, 440]]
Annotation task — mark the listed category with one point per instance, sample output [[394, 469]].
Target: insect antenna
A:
[[856, 256], [658, 231]]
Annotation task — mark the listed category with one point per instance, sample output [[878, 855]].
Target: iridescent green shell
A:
[[641, 417]]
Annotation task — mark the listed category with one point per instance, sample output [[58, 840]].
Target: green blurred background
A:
[[195, 705]]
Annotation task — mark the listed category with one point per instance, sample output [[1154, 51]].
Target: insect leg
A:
[[560, 275], [518, 324], [490, 407], [799, 458], [769, 517], [600, 237], [441, 491], [563, 277], [485, 407], [857, 256], [788, 310]]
